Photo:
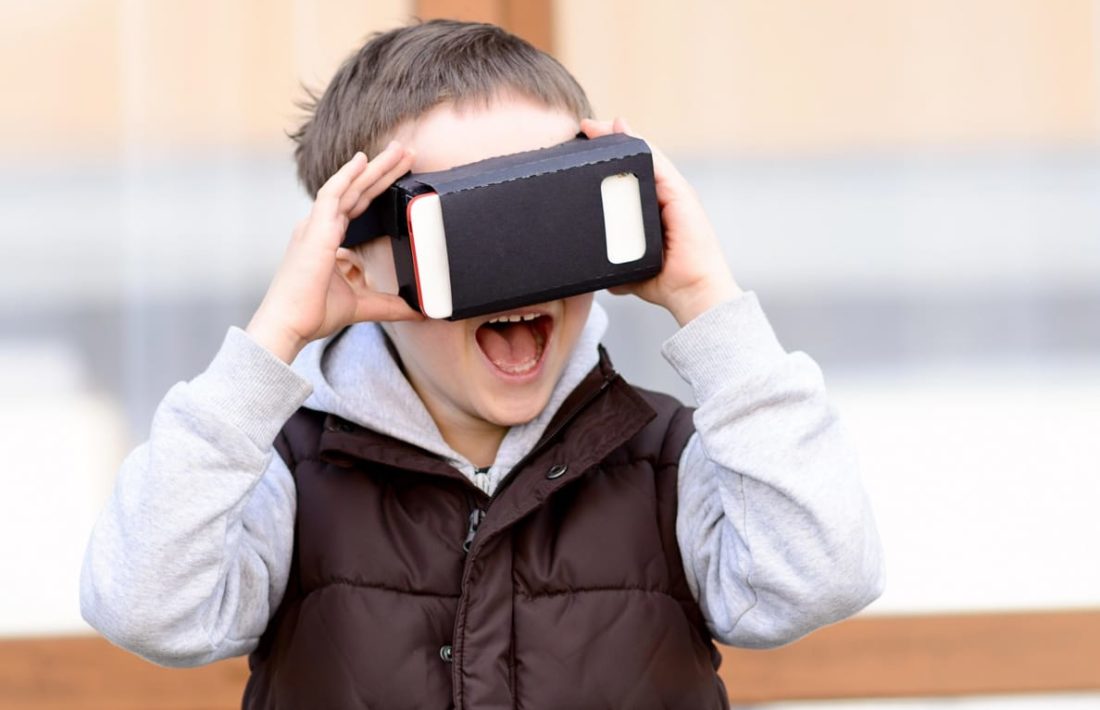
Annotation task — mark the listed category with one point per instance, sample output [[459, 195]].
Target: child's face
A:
[[472, 375]]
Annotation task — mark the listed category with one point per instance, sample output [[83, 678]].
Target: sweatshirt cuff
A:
[[249, 387], [725, 344]]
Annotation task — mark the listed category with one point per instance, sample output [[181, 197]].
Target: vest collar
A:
[[598, 416], [601, 415], [356, 375]]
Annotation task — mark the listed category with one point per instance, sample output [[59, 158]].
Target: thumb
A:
[[376, 306]]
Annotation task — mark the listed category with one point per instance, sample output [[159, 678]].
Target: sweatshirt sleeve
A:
[[191, 554], [775, 529]]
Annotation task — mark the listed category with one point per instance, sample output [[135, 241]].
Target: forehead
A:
[[447, 135]]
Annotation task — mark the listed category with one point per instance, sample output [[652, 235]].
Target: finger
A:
[[325, 224], [299, 230], [594, 129], [382, 163], [385, 307], [670, 181], [382, 184], [376, 165], [661, 160], [328, 197], [671, 184]]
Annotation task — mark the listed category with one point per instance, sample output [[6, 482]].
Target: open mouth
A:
[[515, 343]]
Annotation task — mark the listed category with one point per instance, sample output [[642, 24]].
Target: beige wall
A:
[[61, 76], [744, 76], [795, 76], [94, 73]]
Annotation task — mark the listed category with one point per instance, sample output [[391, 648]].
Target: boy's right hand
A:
[[309, 297]]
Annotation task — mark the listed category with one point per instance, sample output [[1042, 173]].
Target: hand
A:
[[695, 275], [309, 298]]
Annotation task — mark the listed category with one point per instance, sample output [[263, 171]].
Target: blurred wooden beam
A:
[[82, 673], [531, 19], [912, 656], [866, 657]]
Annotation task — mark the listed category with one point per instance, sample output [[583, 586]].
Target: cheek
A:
[[438, 345], [576, 315], [378, 265]]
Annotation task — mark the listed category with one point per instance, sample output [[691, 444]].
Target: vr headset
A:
[[520, 229]]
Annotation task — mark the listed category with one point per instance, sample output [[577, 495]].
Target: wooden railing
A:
[[871, 656]]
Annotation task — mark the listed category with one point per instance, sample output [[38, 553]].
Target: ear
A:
[[349, 262]]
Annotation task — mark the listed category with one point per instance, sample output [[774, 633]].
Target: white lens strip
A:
[[433, 271], [622, 218]]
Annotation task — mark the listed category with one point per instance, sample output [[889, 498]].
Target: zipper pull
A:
[[476, 516]]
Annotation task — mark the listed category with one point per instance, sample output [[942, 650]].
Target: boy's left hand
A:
[[695, 275]]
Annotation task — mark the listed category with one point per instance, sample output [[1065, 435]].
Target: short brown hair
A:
[[402, 73]]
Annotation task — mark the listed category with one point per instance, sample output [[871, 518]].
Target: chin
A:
[[516, 409]]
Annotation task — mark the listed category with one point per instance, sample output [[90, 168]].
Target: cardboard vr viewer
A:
[[520, 229]]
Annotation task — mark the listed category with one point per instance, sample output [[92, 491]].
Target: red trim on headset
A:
[[412, 248]]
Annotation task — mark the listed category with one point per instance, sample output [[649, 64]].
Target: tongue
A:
[[511, 347]]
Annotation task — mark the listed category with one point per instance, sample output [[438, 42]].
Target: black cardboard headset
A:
[[521, 229]]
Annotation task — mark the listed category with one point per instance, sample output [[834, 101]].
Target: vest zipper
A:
[[477, 514]]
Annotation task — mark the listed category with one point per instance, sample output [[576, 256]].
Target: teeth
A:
[[515, 318], [520, 368]]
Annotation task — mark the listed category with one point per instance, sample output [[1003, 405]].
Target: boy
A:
[[477, 514]]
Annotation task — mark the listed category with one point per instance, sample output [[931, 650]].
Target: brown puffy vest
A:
[[571, 594]]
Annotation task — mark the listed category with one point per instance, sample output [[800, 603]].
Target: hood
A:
[[356, 377]]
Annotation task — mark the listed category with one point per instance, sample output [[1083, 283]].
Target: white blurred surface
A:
[[922, 222], [985, 482], [61, 444]]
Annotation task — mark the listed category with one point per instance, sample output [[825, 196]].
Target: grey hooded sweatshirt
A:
[[190, 557]]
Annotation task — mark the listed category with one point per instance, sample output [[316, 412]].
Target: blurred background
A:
[[911, 188]]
